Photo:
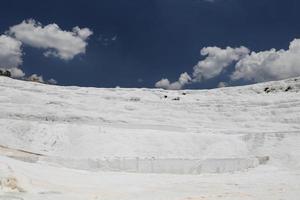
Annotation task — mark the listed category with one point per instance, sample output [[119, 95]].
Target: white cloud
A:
[[56, 42], [10, 52], [11, 56], [216, 61], [36, 78], [251, 66], [270, 65], [16, 73], [40, 79], [222, 84], [163, 83], [182, 81], [52, 81], [83, 33]]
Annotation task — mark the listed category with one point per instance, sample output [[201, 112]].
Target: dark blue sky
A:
[[155, 38]]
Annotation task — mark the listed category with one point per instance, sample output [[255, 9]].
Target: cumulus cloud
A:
[[16, 72], [52, 81], [222, 84], [10, 52], [270, 65], [216, 61], [250, 66], [83, 33], [177, 85], [11, 55], [36, 78], [57, 42], [40, 79]]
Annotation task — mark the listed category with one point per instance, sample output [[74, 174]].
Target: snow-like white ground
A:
[[90, 143]]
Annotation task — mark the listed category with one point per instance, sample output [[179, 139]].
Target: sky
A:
[[170, 44]]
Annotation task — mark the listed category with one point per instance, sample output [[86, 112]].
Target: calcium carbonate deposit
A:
[[74, 143]]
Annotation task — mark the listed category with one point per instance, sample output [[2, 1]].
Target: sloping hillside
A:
[[251, 131]]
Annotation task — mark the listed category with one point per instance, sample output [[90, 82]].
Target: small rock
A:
[[288, 88]]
